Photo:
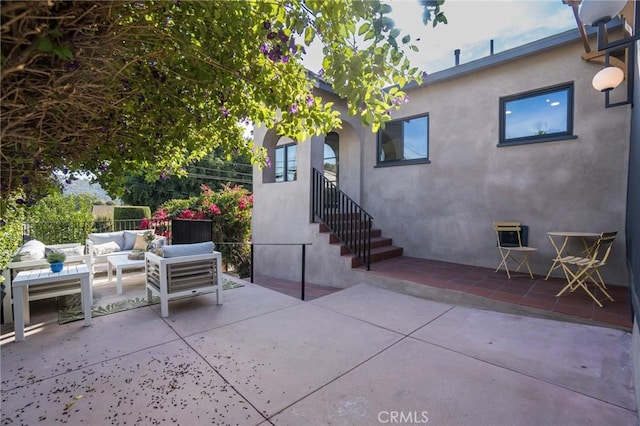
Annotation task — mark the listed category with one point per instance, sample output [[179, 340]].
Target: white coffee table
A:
[[121, 263], [24, 279]]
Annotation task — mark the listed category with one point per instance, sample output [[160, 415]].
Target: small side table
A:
[[24, 279], [121, 263]]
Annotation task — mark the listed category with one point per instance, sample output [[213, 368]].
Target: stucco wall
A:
[[444, 210], [282, 209]]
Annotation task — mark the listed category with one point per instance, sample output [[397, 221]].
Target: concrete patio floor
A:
[[360, 356]]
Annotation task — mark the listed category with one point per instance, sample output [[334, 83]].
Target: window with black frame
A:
[[541, 115], [404, 141], [286, 165]]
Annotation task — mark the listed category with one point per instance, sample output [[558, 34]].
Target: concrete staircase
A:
[[382, 248]]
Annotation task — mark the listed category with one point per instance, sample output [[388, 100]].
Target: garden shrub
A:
[[124, 216], [103, 224], [230, 212], [11, 219], [59, 219]]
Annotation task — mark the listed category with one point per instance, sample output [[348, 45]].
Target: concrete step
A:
[[375, 243], [375, 233], [378, 255]]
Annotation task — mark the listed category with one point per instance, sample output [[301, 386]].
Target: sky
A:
[[471, 26]]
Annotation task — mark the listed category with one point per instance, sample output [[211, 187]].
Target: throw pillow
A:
[[177, 250], [140, 243], [106, 248], [130, 238], [31, 250]]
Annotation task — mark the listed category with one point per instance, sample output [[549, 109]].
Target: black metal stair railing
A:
[[349, 222]]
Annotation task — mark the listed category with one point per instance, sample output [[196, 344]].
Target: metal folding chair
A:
[[509, 238], [584, 271]]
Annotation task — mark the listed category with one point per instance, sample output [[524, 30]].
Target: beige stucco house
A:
[[519, 135], [456, 158]]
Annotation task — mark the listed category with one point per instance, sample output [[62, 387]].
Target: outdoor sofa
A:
[[101, 245]]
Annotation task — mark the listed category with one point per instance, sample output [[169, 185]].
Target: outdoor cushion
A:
[[130, 238], [177, 250], [106, 248], [140, 244], [106, 237], [31, 250], [69, 251]]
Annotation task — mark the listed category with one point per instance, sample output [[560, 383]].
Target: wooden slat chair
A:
[[513, 251], [183, 275], [584, 271]]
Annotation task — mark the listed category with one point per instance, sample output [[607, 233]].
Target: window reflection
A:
[[404, 140], [537, 115], [286, 164]]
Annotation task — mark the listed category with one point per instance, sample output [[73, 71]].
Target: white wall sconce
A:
[[597, 13]]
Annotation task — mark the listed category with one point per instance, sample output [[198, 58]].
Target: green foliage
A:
[[131, 212], [58, 219], [11, 219], [118, 88], [56, 256], [230, 211], [213, 170], [103, 224], [127, 217]]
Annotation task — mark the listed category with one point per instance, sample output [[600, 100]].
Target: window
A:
[[331, 153], [286, 162], [404, 141], [539, 116]]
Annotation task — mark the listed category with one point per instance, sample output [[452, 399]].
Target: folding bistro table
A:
[[561, 247], [24, 279]]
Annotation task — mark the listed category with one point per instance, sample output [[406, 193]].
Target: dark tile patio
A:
[[520, 290]]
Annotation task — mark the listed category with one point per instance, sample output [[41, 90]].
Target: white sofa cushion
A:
[[178, 250], [31, 250], [106, 248], [77, 250], [107, 237]]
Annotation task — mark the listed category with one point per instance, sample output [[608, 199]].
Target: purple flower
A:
[[224, 111], [424, 74], [25, 180], [285, 59], [271, 36], [293, 109], [266, 25], [72, 65], [406, 99], [263, 49], [163, 175], [309, 101], [268, 162], [102, 167]]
